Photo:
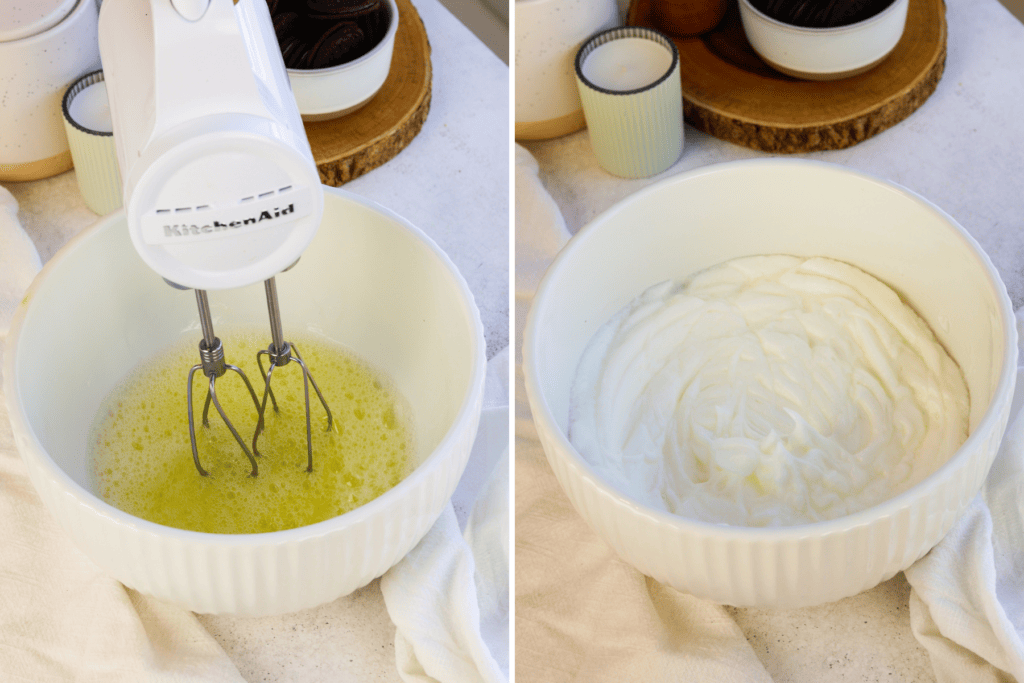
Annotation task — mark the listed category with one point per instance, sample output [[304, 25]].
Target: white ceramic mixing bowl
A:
[[698, 219], [369, 280]]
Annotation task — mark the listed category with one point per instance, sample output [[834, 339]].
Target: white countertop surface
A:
[[962, 150], [452, 181]]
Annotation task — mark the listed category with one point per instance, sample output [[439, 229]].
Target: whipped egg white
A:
[[767, 391]]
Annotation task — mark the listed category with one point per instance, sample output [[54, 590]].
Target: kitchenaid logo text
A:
[[282, 208], [185, 230]]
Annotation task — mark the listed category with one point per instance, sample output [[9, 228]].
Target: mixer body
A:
[[220, 186]]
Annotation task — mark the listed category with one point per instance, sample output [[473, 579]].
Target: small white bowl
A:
[[369, 280], [325, 94], [698, 219], [824, 54]]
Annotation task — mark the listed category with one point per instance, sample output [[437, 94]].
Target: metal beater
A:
[[280, 353], [211, 355], [213, 366]]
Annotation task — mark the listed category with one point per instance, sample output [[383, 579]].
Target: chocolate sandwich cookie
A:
[[821, 13], [341, 9], [315, 34], [286, 25], [336, 44], [294, 51], [276, 6]]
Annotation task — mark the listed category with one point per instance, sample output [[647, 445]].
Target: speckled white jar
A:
[[548, 35], [45, 45]]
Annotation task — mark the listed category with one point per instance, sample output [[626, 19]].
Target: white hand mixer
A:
[[220, 186]]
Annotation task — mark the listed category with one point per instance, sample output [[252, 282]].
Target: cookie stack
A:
[[317, 34], [821, 13]]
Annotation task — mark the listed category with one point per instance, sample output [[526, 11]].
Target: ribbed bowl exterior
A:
[[261, 575], [782, 570]]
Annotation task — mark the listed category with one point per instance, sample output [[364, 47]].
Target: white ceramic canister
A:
[[45, 45], [548, 35]]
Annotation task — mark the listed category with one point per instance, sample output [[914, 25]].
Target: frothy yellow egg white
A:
[[142, 458]]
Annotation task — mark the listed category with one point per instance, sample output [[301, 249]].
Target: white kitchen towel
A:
[[19, 260], [62, 619], [537, 213], [582, 614], [449, 597], [967, 598], [540, 234]]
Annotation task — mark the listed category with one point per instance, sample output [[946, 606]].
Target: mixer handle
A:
[[220, 79]]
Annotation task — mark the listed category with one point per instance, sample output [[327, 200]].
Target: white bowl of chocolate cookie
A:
[[823, 40], [337, 52]]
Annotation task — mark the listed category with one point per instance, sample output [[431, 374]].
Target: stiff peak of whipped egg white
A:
[[767, 391]]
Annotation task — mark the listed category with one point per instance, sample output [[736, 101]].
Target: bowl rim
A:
[[619, 32], [462, 421], [389, 38], [896, 6], [546, 422]]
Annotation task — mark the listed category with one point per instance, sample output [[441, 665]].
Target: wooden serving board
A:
[[729, 92], [349, 146]]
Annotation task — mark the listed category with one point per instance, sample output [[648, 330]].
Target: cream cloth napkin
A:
[[582, 614]]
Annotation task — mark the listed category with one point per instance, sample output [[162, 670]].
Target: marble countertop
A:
[[452, 182], [961, 150]]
